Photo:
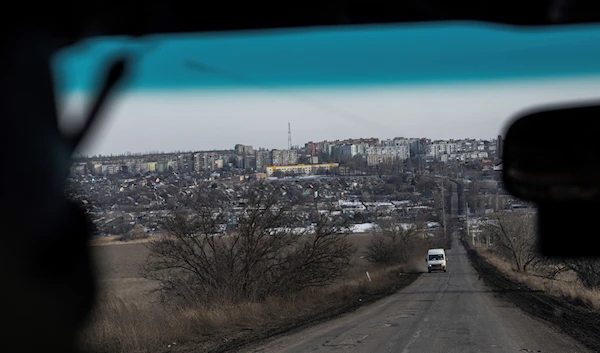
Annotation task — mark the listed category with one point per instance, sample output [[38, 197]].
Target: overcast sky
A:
[[435, 81]]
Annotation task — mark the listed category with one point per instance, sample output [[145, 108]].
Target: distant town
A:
[[347, 157], [364, 178]]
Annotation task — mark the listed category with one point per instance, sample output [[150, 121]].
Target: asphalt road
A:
[[439, 312]]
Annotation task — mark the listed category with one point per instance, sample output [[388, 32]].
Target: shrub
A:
[[262, 255]]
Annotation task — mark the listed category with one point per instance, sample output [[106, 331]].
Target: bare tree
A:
[[548, 267], [472, 195], [392, 244], [316, 258], [513, 234], [264, 254], [138, 232], [587, 271], [425, 184]]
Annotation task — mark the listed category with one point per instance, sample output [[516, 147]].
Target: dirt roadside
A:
[[575, 320], [247, 339]]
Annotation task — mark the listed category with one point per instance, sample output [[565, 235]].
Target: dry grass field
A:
[[129, 318], [565, 285], [118, 265]]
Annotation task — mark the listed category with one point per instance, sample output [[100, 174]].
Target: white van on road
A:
[[436, 260]]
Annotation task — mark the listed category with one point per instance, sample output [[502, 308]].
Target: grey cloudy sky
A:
[[202, 120]]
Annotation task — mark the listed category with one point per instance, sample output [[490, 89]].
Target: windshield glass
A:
[[242, 182], [436, 257]]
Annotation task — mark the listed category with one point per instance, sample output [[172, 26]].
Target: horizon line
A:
[[125, 154]]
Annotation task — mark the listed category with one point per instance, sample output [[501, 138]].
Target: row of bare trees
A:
[[265, 252], [395, 243], [513, 236]]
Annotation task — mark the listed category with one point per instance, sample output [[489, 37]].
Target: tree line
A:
[[216, 251], [513, 237]]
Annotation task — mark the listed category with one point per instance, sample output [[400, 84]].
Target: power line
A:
[[196, 66]]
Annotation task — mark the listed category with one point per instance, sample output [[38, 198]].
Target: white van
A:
[[436, 260]]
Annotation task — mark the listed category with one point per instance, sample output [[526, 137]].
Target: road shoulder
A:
[[252, 339], [577, 322]]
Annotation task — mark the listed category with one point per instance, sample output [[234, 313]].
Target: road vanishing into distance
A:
[[439, 312]]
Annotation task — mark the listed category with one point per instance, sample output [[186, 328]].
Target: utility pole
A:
[[444, 210], [497, 200], [467, 219]]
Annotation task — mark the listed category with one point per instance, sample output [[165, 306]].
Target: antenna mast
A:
[[289, 136]]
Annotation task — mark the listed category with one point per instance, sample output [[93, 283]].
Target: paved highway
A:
[[439, 312]]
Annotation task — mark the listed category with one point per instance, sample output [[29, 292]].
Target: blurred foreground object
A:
[[46, 273], [551, 158]]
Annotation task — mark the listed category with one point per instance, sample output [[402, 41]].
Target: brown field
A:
[[129, 317], [118, 265], [564, 286]]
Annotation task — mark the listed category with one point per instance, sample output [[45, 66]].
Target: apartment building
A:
[[400, 152], [376, 159], [262, 158], [302, 169], [284, 157]]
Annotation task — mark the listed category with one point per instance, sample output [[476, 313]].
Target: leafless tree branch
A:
[[264, 253]]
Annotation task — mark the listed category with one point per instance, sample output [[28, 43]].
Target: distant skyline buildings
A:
[[243, 149], [338, 156]]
